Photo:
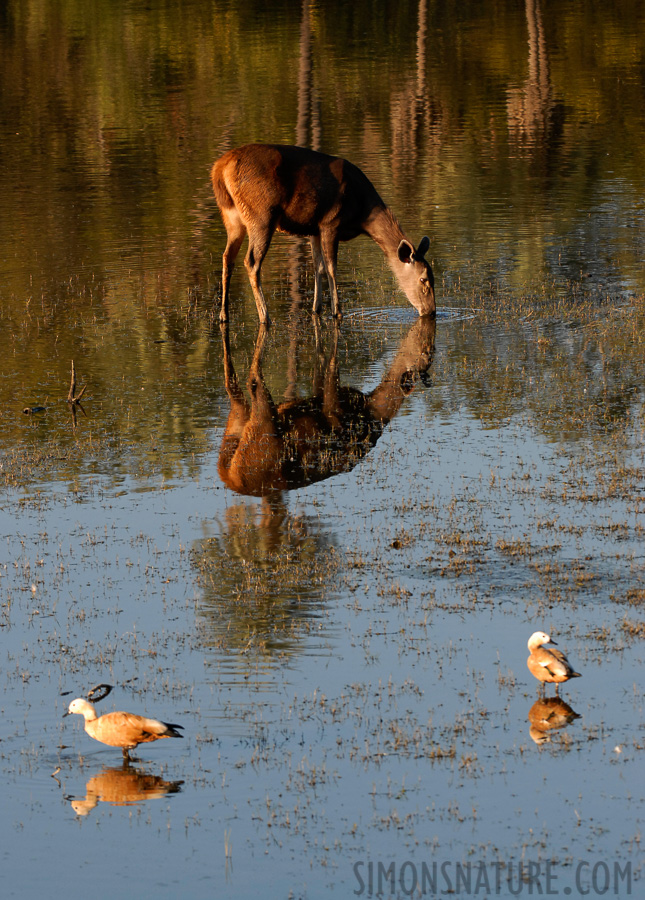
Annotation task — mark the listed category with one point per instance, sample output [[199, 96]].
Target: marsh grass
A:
[[349, 660]]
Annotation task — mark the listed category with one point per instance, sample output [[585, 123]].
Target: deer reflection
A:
[[547, 715], [268, 448], [267, 572], [123, 786]]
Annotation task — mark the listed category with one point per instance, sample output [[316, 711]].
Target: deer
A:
[[264, 188]]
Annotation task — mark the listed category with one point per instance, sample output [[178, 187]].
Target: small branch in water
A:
[[71, 397]]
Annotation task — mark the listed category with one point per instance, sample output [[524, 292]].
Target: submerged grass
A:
[[350, 660]]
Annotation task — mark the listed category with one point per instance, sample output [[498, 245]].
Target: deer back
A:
[[294, 190]]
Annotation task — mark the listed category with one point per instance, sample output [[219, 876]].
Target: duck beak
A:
[[65, 714], [554, 643]]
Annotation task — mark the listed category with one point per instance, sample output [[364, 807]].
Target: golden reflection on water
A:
[[494, 125], [124, 785], [484, 121], [514, 132], [548, 715]]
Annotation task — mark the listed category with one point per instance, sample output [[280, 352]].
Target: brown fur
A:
[[263, 188]]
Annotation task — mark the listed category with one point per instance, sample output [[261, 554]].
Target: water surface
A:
[[347, 650]]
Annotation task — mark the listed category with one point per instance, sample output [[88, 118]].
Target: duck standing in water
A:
[[548, 665], [121, 729]]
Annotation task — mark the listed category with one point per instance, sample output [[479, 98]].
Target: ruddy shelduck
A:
[[546, 664], [121, 729]]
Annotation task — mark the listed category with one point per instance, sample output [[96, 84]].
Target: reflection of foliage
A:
[[112, 113], [576, 370], [265, 578], [124, 107]]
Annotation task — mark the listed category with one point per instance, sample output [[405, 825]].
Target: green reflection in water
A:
[[511, 133]]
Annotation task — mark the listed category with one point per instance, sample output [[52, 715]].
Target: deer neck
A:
[[382, 226]]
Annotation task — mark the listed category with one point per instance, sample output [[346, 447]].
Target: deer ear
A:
[[423, 248], [405, 251]]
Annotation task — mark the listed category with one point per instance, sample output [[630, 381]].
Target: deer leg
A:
[[319, 271], [259, 241], [235, 232], [329, 245]]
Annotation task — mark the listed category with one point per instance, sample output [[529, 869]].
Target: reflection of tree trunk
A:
[[422, 32], [306, 123], [304, 77], [410, 107], [297, 254], [529, 107], [291, 367], [538, 60]]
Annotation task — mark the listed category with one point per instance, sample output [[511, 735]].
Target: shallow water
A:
[[348, 655]]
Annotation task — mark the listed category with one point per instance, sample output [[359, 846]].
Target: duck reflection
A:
[[268, 448], [123, 786], [549, 714]]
